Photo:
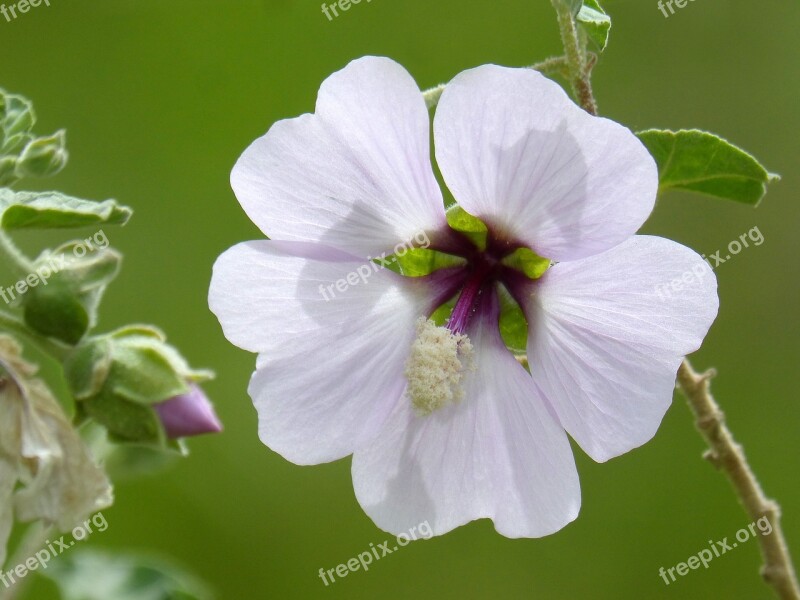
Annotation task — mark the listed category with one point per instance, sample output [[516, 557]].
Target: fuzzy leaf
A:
[[595, 22], [702, 162], [92, 575], [54, 210]]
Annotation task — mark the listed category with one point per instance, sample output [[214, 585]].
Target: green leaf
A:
[[53, 210], [595, 22], [93, 575], [43, 157], [702, 162]]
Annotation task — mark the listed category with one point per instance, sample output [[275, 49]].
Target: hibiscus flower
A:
[[444, 423]]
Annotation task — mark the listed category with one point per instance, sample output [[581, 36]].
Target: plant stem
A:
[[724, 452], [15, 325], [20, 263], [729, 457], [577, 60]]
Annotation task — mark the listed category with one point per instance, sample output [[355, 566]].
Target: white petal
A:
[[608, 333], [498, 454], [518, 153], [356, 175], [330, 370]]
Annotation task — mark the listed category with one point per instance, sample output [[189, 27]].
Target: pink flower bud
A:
[[188, 414]]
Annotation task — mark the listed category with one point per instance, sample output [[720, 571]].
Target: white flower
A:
[[444, 424]]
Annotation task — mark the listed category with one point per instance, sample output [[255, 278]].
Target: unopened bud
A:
[[43, 156], [188, 414]]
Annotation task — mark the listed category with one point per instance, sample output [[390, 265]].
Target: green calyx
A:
[[117, 378]]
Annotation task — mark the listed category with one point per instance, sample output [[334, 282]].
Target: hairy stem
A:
[[728, 456], [578, 61], [19, 262]]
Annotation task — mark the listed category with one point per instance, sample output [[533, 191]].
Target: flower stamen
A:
[[436, 366]]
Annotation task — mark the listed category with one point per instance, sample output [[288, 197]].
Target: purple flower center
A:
[[485, 267]]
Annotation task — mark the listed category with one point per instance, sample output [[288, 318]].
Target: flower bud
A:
[[65, 288], [139, 387], [8, 166], [188, 414], [43, 156], [16, 114]]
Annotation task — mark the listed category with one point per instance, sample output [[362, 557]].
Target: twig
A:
[[728, 456]]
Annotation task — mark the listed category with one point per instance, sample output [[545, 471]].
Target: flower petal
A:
[[356, 175], [608, 333], [499, 454], [519, 154], [330, 369]]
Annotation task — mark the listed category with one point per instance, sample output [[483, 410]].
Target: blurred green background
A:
[[159, 99]]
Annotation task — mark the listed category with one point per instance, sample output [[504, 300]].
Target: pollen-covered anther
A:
[[436, 367]]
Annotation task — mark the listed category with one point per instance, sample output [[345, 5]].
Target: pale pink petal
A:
[[356, 175], [607, 334], [498, 454], [330, 371], [518, 153]]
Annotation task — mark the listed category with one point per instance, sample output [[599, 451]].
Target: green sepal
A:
[[64, 302], [16, 114], [527, 262], [418, 262], [513, 324], [8, 168], [125, 420], [43, 156], [442, 314], [145, 369], [56, 312], [86, 368], [470, 226]]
